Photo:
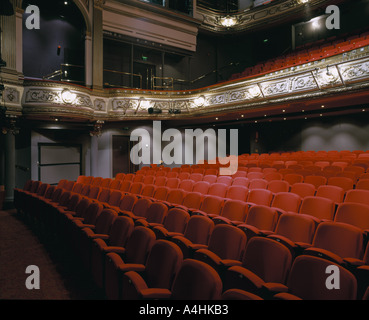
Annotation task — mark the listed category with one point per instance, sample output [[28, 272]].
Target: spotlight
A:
[[154, 110], [175, 111]]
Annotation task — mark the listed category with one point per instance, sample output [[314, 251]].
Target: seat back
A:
[[136, 187], [235, 192], [161, 193], [278, 186], [308, 278], [172, 183], [342, 239], [343, 182], [212, 204], [303, 189], [148, 190], [357, 196], [115, 197], [120, 231], [218, 189], [201, 186], [241, 181], [287, 201], [156, 212], [268, 259], [104, 195], [104, 221], [139, 245], [319, 207], [262, 217], [92, 213], [196, 280], [199, 229], [356, 214], [260, 197], [176, 220], [234, 210], [334, 193], [175, 196], [192, 200], [162, 264], [227, 242], [297, 227], [316, 180], [127, 202], [186, 185]]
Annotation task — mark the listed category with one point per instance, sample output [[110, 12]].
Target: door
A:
[[147, 71], [121, 155]]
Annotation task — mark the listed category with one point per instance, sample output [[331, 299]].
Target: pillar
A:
[[94, 156], [97, 50], [9, 168], [88, 60]]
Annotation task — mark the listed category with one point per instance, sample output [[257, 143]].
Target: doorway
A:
[[147, 71], [121, 155]]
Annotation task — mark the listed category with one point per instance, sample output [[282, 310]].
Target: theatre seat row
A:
[[82, 220], [306, 55]]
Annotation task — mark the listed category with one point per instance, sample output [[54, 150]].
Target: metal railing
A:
[[68, 73], [127, 80], [167, 83]]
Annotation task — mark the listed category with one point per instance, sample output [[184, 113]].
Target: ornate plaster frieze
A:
[[334, 75]]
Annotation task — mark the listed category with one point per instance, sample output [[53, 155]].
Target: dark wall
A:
[[349, 132], [59, 26]]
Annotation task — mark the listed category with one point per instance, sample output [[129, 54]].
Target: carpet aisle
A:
[[20, 247]]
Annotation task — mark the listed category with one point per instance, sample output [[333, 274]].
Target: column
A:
[[9, 168], [19, 41], [88, 60], [97, 51], [94, 156]]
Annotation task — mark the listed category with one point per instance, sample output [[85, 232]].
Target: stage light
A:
[[154, 110]]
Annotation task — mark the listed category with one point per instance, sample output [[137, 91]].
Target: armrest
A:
[[141, 222], [80, 224], [318, 252], [131, 267], [242, 278], [353, 262], [207, 256], [285, 296], [155, 225], [199, 213], [196, 246], [270, 289], [250, 230], [284, 240], [230, 263], [153, 293], [99, 236], [118, 250], [219, 219]]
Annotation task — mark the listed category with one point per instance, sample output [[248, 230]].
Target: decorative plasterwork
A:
[[337, 74], [250, 18]]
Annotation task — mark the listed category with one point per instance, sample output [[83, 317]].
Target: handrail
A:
[[126, 74], [153, 79]]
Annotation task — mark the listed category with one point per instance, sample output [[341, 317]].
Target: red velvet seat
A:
[[136, 251], [162, 265]]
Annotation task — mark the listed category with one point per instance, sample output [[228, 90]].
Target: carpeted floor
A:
[[20, 247]]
